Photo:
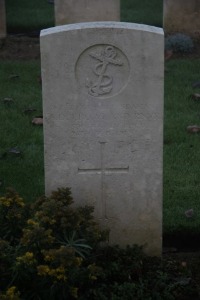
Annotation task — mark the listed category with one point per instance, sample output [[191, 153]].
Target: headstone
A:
[[103, 124], [76, 11], [182, 16], [2, 19]]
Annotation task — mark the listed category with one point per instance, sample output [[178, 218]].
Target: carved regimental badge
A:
[[104, 82], [102, 71]]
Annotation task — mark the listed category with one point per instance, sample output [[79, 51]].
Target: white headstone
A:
[[76, 11], [2, 19], [103, 124]]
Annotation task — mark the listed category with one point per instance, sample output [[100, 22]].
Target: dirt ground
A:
[[27, 47], [16, 47]]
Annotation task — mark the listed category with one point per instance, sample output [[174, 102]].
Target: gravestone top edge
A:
[[106, 25]]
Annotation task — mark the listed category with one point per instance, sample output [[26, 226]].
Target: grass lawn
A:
[[181, 149], [24, 16], [145, 11], [23, 171]]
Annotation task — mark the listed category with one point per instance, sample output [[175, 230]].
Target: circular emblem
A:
[[102, 71]]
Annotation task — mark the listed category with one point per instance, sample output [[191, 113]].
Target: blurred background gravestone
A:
[[2, 19], [76, 11], [182, 16]]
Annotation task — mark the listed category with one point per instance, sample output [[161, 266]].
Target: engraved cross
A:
[[103, 171]]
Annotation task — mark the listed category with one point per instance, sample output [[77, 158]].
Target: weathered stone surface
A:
[[70, 11], [182, 16], [2, 19], [103, 124]]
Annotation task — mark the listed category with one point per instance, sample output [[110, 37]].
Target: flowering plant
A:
[[46, 246]]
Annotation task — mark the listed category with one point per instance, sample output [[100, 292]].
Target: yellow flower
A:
[[46, 219], [52, 221], [18, 216], [58, 273], [48, 258], [38, 214], [32, 222], [12, 294], [78, 261], [20, 201], [11, 201], [29, 255], [27, 258], [43, 270], [11, 291], [92, 277], [5, 201]]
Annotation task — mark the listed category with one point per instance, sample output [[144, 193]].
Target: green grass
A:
[[24, 172], [142, 11], [24, 15], [181, 149]]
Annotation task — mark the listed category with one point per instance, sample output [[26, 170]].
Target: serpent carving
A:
[[103, 84]]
